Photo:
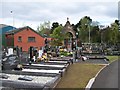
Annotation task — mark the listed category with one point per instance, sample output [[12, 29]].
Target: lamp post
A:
[[76, 39]]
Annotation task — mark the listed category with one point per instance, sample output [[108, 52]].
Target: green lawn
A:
[[112, 58], [78, 75]]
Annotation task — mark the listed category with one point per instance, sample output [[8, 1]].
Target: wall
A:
[[25, 44], [9, 40]]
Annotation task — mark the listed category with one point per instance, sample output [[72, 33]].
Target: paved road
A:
[[108, 77]]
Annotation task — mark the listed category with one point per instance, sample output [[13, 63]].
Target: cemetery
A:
[[21, 71], [43, 67], [30, 74]]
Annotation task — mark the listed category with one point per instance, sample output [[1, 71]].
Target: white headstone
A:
[[34, 58], [40, 53], [10, 51]]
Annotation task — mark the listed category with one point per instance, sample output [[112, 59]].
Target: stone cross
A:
[[67, 19]]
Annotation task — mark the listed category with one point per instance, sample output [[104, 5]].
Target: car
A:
[[10, 62]]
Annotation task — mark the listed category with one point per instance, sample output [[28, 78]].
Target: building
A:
[[24, 38], [3, 29]]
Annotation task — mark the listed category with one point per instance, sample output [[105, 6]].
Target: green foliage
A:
[[107, 35], [95, 34], [65, 53], [114, 33], [54, 25], [84, 26], [58, 36], [111, 34]]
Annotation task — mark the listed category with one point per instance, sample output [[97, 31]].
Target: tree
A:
[[111, 34], [95, 34], [44, 29], [57, 36], [54, 25], [105, 35], [114, 33], [84, 26]]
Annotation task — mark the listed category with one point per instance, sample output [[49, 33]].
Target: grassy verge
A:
[[78, 75], [112, 58]]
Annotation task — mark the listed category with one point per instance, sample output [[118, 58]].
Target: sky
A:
[[35, 12]]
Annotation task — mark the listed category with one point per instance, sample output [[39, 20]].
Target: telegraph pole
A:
[[12, 18]]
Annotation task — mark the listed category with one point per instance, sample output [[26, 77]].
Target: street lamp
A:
[[76, 39]]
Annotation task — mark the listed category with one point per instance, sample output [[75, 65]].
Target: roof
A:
[[21, 29], [3, 25], [4, 28]]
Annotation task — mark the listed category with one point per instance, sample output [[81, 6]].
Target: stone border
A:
[[32, 73], [43, 67]]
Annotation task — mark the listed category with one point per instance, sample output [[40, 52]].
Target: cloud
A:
[[38, 12]]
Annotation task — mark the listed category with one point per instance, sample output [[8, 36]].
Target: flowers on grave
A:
[[44, 57]]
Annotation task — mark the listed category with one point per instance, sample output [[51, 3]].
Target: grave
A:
[[29, 81], [37, 75], [10, 51], [44, 67], [68, 59], [56, 62]]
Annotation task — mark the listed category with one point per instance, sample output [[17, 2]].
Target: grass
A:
[[112, 58], [78, 75]]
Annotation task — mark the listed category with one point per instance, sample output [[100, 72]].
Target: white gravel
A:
[[42, 71], [36, 79], [48, 65]]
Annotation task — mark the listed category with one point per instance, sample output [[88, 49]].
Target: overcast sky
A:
[[32, 13]]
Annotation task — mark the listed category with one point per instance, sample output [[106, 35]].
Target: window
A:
[[19, 39], [31, 39]]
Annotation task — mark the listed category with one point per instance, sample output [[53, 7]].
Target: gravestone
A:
[[40, 53], [10, 51]]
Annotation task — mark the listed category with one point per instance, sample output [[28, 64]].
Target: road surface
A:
[[108, 78]]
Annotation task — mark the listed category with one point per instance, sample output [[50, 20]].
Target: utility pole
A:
[[12, 17]]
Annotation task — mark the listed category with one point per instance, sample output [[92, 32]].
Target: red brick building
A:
[[24, 38]]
